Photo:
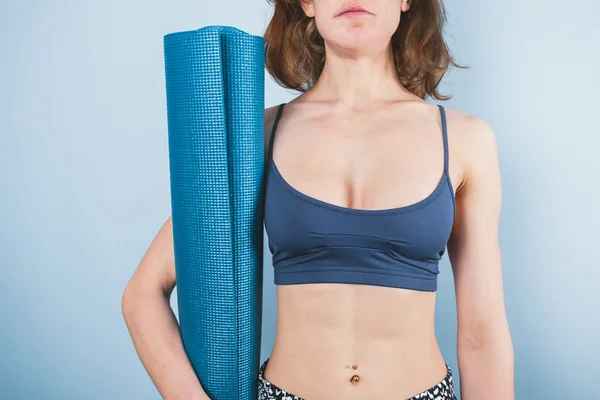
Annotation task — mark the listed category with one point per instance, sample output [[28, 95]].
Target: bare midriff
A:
[[351, 341]]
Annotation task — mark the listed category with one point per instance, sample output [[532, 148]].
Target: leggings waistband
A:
[[444, 390]]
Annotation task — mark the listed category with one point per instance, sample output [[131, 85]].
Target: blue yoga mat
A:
[[215, 110]]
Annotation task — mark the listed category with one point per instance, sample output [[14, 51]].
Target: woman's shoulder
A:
[[471, 134], [472, 144]]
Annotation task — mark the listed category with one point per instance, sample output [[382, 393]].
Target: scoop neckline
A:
[[350, 210]]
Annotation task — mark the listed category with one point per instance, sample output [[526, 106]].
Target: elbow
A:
[[473, 339], [140, 293], [486, 337], [128, 299], [131, 298]]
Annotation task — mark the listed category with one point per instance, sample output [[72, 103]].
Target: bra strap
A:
[[274, 129], [445, 137]]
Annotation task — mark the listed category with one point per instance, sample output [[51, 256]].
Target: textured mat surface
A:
[[215, 109]]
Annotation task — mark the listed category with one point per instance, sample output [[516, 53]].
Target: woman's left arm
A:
[[485, 350]]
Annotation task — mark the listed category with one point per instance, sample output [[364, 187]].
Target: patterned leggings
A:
[[268, 391]]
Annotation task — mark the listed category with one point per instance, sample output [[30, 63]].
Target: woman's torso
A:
[[392, 162]]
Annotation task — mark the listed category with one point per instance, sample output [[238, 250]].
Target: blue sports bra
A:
[[313, 241]]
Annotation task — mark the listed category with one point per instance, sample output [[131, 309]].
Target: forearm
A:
[[486, 366], [157, 340]]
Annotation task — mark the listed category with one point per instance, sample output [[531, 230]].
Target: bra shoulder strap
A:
[[445, 137], [274, 129]]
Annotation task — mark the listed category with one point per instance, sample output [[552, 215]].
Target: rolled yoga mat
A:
[[215, 111]]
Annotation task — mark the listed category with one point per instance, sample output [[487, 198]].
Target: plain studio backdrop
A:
[[85, 184]]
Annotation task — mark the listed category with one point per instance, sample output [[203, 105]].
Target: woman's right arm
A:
[[152, 324], [150, 319]]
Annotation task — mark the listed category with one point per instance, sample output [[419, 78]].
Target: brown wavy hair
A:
[[295, 51]]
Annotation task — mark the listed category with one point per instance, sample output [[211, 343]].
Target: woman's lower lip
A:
[[354, 13]]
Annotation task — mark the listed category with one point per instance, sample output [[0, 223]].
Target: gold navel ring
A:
[[355, 378]]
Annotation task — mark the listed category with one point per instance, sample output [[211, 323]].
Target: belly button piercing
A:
[[355, 378]]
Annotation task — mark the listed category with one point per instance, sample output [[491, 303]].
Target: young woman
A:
[[367, 184]]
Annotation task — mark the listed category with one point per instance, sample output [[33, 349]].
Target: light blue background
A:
[[84, 178]]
